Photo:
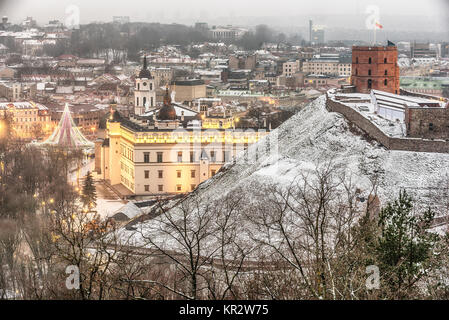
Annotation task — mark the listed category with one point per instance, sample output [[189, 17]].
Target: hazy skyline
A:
[[429, 15]]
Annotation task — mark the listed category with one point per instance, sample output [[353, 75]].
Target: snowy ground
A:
[[107, 201], [310, 138]]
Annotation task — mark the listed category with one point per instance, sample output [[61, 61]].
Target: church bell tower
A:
[[144, 92]]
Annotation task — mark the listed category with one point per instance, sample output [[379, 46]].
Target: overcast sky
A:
[[213, 11]]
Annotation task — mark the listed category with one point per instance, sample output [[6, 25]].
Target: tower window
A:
[[386, 82], [370, 83], [385, 60], [370, 60], [386, 72], [369, 72]]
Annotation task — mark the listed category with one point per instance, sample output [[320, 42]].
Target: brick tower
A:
[[375, 68]]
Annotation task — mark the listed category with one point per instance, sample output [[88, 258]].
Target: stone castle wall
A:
[[401, 144]]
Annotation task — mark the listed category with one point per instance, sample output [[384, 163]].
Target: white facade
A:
[[144, 95]]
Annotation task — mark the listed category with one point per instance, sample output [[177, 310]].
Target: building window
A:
[[386, 82], [146, 157], [192, 173], [159, 157], [386, 72], [370, 60], [192, 187], [430, 126], [357, 60], [370, 83], [147, 174], [192, 156], [212, 156], [385, 60], [137, 101], [160, 174], [178, 173], [178, 187], [369, 72], [179, 156], [147, 188], [160, 188], [213, 172], [144, 101]]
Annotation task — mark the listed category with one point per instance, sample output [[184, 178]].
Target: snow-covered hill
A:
[[315, 136], [309, 139]]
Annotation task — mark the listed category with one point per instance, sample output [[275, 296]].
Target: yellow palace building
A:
[[168, 150]]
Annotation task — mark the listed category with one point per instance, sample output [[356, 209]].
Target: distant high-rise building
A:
[[202, 26], [121, 19], [310, 31], [317, 35], [422, 50]]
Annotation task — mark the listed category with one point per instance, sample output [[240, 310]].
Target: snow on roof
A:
[[130, 210], [22, 105]]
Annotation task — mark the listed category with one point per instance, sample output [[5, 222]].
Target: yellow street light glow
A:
[[52, 200]]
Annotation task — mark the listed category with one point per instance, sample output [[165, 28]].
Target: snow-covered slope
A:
[[315, 136], [309, 139]]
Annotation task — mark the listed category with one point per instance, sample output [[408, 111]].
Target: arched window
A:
[[370, 60], [137, 101], [144, 101], [151, 86]]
